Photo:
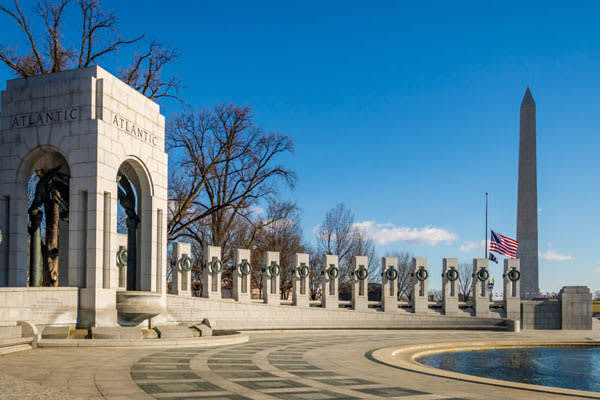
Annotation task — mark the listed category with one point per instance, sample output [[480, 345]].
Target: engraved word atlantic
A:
[[44, 118], [135, 131]]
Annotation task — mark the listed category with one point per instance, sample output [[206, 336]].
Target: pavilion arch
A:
[[41, 157], [145, 270]]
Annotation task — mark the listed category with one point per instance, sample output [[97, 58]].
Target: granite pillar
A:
[[300, 280], [511, 292], [419, 287], [241, 276], [360, 283], [481, 276], [450, 286]]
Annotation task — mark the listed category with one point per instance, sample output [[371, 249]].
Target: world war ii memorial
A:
[[98, 301]]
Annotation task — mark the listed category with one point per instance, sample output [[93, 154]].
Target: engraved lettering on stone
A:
[[133, 130], [44, 118]]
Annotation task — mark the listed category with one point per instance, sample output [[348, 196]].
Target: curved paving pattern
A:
[[263, 369], [273, 365]]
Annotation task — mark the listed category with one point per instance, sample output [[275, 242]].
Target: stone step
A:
[[56, 332], [10, 332], [117, 332], [15, 348], [11, 345], [176, 332]]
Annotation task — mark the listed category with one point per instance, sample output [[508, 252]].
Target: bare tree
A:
[[227, 166], [225, 190], [51, 51], [285, 237], [339, 236], [465, 279]]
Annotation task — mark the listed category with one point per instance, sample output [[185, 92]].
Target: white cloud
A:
[[257, 211], [551, 255], [388, 233], [468, 247]]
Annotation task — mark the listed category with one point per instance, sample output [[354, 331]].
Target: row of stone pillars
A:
[[419, 302]]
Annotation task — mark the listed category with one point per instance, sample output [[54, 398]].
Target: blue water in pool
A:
[[571, 368]]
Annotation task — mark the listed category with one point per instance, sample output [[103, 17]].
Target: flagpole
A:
[[486, 225]]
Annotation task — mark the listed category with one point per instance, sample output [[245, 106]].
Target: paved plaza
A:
[[293, 365]]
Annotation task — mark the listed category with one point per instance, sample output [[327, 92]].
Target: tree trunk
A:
[[52, 215]]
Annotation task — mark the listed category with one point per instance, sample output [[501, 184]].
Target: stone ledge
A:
[[210, 341], [405, 358]]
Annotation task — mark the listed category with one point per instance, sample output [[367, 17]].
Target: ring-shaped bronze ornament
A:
[[215, 266], [362, 273], [274, 269], [245, 268], [514, 275], [391, 274], [303, 271], [452, 274], [185, 263], [122, 257], [421, 274], [333, 272], [483, 274]]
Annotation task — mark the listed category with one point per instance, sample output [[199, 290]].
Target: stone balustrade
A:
[[329, 279]]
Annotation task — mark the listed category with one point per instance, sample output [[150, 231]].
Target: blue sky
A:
[[407, 113]]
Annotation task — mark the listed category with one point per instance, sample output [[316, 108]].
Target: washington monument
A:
[[527, 208]]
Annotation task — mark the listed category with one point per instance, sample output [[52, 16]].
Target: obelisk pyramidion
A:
[[527, 209]]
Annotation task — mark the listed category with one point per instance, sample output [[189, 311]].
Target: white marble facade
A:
[[94, 125]]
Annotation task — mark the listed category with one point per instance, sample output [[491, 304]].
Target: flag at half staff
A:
[[493, 258], [503, 245]]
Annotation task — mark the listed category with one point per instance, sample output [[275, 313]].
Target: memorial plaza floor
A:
[[291, 365]]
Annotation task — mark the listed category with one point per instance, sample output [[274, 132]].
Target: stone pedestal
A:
[[360, 283], [182, 274], [211, 273], [300, 280], [331, 279], [481, 300], [271, 277], [419, 288], [97, 307], [241, 276], [450, 286], [512, 289], [389, 284], [576, 307]]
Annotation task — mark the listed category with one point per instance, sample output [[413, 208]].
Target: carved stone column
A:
[[241, 276], [211, 273], [182, 270], [512, 288], [389, 284], [481, 276], [270, 278], [360, 283], [419, 287], [331, 281], [450, 286], [300, 280]]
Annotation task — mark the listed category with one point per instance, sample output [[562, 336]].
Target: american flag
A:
[[503, 245]]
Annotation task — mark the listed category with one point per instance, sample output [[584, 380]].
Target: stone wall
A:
[[39, 305], [540, 314], [229, 314], [576, 307]]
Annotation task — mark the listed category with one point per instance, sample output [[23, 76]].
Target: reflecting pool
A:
[[571, 368]]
